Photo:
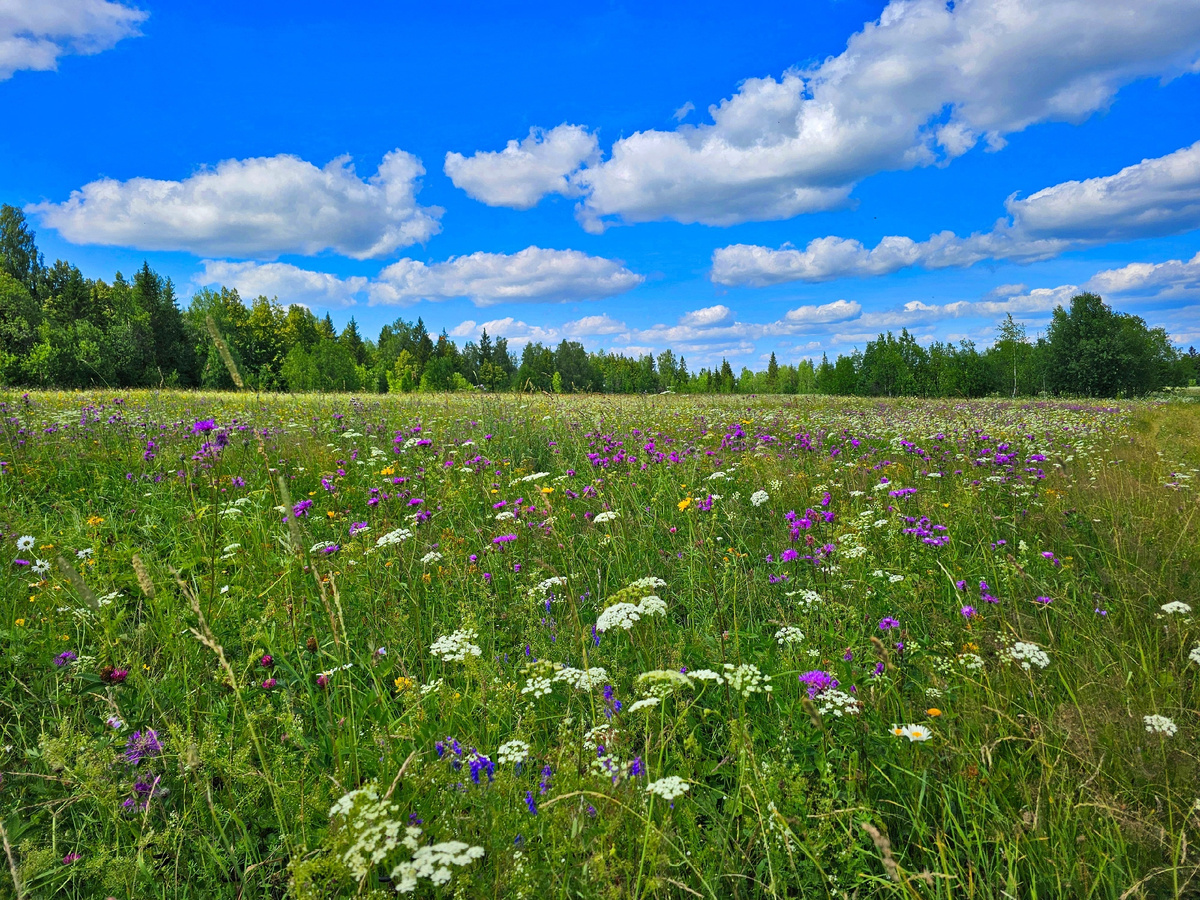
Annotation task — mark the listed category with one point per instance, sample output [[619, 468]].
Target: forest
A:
[[61, 329]]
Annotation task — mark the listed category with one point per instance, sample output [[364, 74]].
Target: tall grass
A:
[[302, 724]]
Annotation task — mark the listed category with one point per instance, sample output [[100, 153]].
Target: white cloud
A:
[[594, 325], [1173, 278], [837, 311], [707, 317], [533, 275], [1153, 197], [289, 283], [522, 173], [261, 207], [921, 85], [35, 33], [682, 113], [514, 330]]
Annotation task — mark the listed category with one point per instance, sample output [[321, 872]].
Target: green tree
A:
[[19, 256]]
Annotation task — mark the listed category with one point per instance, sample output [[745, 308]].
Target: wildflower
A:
[[967, 611], [393, 537], [114, 723], [1194, 656], [25, 542], [301, 508], [817, 682], [269, 684], [71, 858], [684, 503], [934, 712], [973, 662], [887, 623], [514, 752], [1160, 725], [455, 647], [838, 703], [1175, 606], [266, 661], [1028, 655], [1045, 601], [322, 681], [478, 763], [789, 634], [644, 703], [914, 733], [65, 657], [668, 788], [358, 527], [504, 539], [530, 804], [746, 679], [141, 745], [41, 567], [758, 498]]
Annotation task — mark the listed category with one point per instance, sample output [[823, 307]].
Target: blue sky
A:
[[713, 177]]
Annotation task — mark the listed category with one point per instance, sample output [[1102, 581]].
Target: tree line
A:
[[61, 329]]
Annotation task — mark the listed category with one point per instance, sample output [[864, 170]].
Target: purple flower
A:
[[269, 684], [479, 763], [887, 623], [65, 657], [504, 539], [636, 768], [140, 745], [204, 426], [544, 784], [356, 527], [817, 682], [266, 661], [530, 804], [301, 508], [967, 611], [1044, 600], [71, 858]]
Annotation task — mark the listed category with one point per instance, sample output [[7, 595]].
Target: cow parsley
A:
[[1160, 725], [455, 647], [746, 679], [789, 634], [1028, 655], [668, 788]]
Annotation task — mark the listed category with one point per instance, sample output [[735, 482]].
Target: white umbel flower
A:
[[668, 788], [455, 647], [758, 498], [1160, 725], [1028, 655], [514, 752]]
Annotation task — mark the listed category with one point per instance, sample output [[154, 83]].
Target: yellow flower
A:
[[331, 514], [95, 520], [426, 578], [403, 684], [20, 623], [390, 470], [684, 503], [547, 490], [935, 712]]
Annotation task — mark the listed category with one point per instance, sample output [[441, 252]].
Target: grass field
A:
[[640, 647]]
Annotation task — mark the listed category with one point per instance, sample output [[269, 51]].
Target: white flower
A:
[[40, 567], [1194, 656], [1160, 725], [758, 498], [434, 685], [607, 516], [539, 686], [644, 703], [647, 583], [26, 542], [542, 588], [1028, 655], [431, 557], [619, 615], [746, 679], [894, 579], [717, 476], [455, 647], [804, 596], [504, 515], [321, 545], [393, 537], [912, 732], [433, 863], [536, 476], [707, 675], [84, 553], [661, 682], [838, 703], [668, 788], [1175, 606], [582, 679], [513, 751], [973, 662], [653, 605], [789, 634]]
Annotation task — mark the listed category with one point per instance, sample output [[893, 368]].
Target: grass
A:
[[302, 725]]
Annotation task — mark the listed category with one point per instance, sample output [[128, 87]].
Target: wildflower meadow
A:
[[547, 646]]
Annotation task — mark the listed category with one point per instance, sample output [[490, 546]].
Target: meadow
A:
[[550, 646]]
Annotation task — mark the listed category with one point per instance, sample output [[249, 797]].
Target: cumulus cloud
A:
[[594, 325], [1173, 278], [35, 33], [1151, 198], [682, 113], [513, 330], [261, 207], [921, 85], [707, 317], [289, 283], [533, 275], [523, 172], [837, 311]]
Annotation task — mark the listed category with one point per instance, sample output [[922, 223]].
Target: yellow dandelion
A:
[[684, 503]]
